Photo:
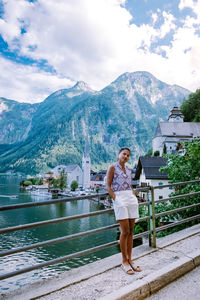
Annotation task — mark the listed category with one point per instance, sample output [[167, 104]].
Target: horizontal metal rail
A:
[[57, 240], [64, 238], [57, 220], [66, 257], [53, 221], [144, 203], [89, 232], [57, 260], [177, 223], [176, 184], [61, 200], [169, 212], [178, 197], [47, 202]]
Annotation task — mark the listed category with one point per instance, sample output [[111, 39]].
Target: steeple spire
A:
[[86, 165], [87, 149]]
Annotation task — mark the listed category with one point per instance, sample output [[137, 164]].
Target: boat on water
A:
[[13, 196], [9, 196], [41, 193]]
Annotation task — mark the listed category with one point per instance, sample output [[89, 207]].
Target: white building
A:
[[86, 166], [148, 174], [73, 172], [168, 135]]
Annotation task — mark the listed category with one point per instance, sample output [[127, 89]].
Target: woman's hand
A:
[[133, 192], [113, 196]]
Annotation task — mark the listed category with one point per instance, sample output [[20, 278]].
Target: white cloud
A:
[[28, 83], [93, 41]]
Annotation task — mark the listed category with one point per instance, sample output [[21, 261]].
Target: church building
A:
[[168, 135], [74, 172]]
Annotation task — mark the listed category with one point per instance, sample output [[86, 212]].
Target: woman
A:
[[125, 206]]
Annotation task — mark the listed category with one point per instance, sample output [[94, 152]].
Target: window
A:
[[77, 178], [160, 197], [160, 183]]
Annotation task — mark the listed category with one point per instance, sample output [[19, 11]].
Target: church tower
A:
[[176, 115], [86, 165]]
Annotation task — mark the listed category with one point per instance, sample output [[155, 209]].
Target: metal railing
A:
[[150, 218]]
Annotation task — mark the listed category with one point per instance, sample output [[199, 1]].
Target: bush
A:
[[74, 185], [27, 183], [156, 153]]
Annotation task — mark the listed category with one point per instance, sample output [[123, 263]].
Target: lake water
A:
[[9, 185]]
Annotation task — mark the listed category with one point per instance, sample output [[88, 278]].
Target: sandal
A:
[[127, 269], [135, 268]]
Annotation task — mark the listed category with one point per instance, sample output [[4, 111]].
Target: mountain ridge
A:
[[125, 112]]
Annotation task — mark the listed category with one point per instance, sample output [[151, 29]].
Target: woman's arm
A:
[[131, 184], [109, 179]]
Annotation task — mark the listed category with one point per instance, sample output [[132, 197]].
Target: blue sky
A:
[[46, 45]]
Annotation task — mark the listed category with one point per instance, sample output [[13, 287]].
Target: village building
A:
[[148, 174], [169, 135], [98, 179], [73, 172]]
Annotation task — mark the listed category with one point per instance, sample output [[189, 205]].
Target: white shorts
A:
[[125, 205]]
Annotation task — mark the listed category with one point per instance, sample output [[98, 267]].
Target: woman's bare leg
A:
[[130, 244], [130, 240], [124, 225]]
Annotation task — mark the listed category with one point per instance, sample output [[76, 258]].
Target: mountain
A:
[[125, 113], [15, 120]]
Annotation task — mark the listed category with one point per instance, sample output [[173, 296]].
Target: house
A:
[[148, 174], [73, 172], [98, 179], [169, 135]]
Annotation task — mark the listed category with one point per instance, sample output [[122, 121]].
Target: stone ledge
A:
[[154, 282], [101, 267]]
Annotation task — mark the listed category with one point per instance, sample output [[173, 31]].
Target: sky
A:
[[47, 45]]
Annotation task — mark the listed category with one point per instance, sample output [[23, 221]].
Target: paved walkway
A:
[[184, 288], [174, 256]]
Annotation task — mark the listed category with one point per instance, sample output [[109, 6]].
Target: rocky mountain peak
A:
[[82, 86], [124, 113], [146, 85]]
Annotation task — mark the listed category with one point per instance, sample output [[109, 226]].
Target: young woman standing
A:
[[125, 206]]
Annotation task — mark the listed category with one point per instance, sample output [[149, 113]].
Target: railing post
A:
[[152, 221]]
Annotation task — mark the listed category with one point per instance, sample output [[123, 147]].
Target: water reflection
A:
[[10, 185]]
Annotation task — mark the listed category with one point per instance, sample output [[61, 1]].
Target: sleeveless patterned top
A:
[[121, 181]]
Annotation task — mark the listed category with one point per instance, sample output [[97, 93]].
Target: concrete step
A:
[[174, 256]]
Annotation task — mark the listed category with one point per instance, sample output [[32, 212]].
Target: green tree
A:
[[149, 152], [61, 181], [191, 107], [184, 167], [165, 149], [55, 182], [181, 168], [74, 185], [156, 153], [27, 183], [36, 181]]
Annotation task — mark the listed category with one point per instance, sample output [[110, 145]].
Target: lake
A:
[[9, 185]]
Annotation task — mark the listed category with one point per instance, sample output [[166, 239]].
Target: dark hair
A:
[[124, 148]]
